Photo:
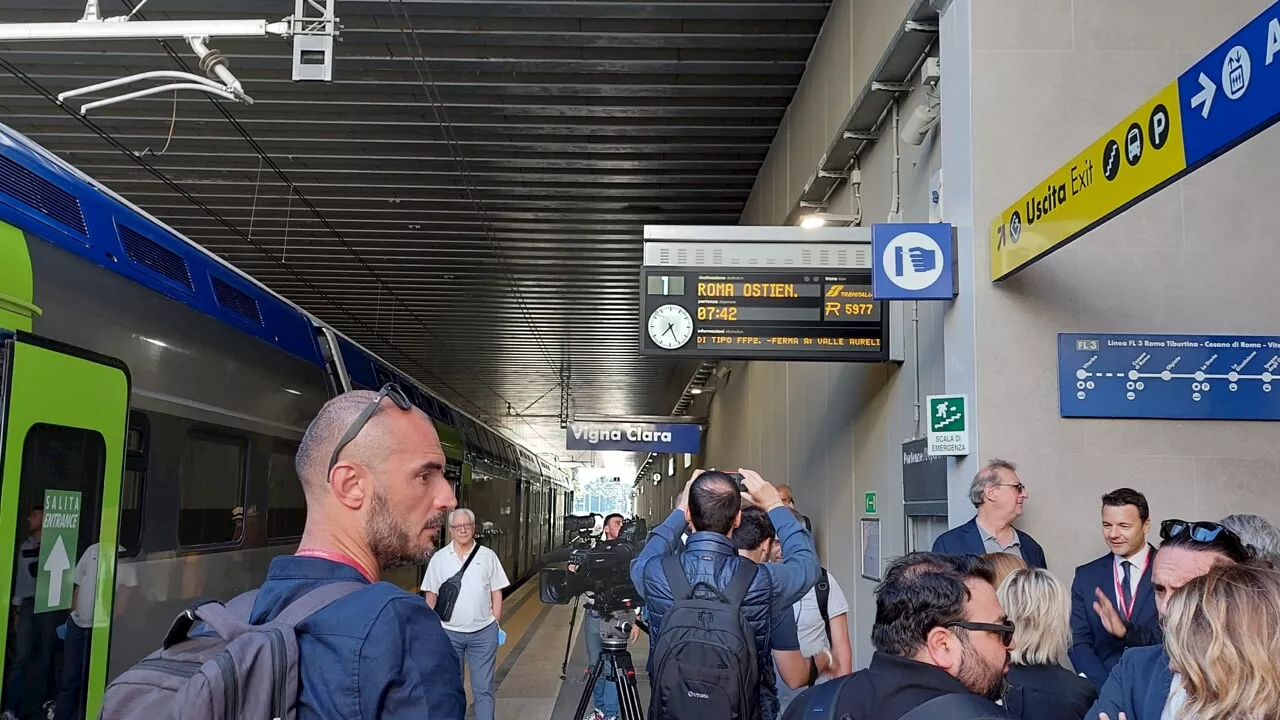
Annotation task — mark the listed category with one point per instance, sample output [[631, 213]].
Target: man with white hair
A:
[[464, 586], [1255, 531], [998, 494]]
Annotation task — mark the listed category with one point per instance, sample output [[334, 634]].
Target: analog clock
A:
[[670, 326]]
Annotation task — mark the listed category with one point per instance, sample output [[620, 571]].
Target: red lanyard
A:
[[337, 557], [1128, 611]]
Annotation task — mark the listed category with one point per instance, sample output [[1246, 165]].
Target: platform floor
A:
[[528, 672]]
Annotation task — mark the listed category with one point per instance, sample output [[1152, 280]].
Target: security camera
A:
[[918, 124]]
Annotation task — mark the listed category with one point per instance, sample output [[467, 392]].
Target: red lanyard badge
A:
[[337, 557], [1127, 610]]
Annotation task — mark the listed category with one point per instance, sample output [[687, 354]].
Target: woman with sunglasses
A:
[[1039, 608]]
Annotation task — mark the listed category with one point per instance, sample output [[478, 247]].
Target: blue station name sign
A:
[[672, 438]]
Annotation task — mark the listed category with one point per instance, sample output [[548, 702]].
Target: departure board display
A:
[[769, 314]]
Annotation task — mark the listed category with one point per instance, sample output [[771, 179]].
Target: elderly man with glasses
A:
[[464, 585], [998, 495]]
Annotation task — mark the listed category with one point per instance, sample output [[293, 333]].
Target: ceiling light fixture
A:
[[811, 221]]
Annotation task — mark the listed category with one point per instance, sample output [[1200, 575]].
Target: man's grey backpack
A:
[[237, 671], [705, 654]]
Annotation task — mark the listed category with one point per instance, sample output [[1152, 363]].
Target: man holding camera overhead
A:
[[710, 574]]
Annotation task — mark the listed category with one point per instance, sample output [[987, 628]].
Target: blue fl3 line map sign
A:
[[1169, 377], [1225, 98]]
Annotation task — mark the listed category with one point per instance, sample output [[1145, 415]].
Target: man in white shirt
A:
[[811, 630], [80, 625], [472, 624]]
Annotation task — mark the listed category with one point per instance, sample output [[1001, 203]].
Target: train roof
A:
[[91, 220]]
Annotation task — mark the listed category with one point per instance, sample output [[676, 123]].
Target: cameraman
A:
[[711, 503], [606, 690]]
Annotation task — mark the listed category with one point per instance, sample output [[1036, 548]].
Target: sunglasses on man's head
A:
[[390, 390], [1202, 531]]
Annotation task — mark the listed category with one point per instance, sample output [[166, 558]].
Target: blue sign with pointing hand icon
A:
[[912, 261]]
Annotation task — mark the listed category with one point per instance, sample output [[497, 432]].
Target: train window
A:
[[211, 511], [286, 504], [136, 453], [62, 474]]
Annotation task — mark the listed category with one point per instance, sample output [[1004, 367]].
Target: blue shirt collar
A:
[[707, 541], [294, 567]]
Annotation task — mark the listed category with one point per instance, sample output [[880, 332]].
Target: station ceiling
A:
[[467, 197]]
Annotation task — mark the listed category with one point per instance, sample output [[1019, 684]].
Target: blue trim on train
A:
[[42, 197], [282, 325]]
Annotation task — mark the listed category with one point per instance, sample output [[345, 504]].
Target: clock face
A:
[[670, 326]]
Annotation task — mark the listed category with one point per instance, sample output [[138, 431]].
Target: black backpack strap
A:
[[741, 583], [957, 706], [822, 700], [676, 579], [823, 591], [234, 612], [315, 601]]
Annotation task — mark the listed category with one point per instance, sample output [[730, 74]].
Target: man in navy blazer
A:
[[998, 495], [1141, 684], [1113, 605]]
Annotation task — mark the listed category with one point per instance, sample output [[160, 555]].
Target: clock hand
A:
[[669, 328]]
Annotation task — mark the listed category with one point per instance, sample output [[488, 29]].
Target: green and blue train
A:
[[151, 400]]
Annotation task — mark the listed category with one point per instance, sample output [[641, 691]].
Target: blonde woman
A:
[[1040, 687], [1222, 632], [1004, 563]]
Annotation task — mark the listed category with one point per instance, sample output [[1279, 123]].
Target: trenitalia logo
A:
[[834, 290]]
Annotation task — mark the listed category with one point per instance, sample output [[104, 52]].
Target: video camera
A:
[[603, 567]]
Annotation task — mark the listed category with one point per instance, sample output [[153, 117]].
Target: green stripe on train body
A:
[[17, 286]]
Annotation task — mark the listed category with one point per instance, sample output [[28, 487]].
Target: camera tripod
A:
[[616, 659]]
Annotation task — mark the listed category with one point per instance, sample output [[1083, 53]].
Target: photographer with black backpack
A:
[[710, 610]]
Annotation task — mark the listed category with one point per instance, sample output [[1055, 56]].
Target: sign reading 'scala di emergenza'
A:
[[671, 438]]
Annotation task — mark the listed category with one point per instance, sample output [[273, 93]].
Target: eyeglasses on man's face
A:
[[1004, 629], [463, 526], [390, 390]]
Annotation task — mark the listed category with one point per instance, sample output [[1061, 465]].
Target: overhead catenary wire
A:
[[294, 190], [427, 80], [159, 175]]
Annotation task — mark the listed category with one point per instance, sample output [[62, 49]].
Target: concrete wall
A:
[[835, 431], [1025, 86], [1048, 78], [852, 40]]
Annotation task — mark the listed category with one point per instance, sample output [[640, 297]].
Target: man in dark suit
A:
[[998, 495], [1141, 685], [1113, 606]]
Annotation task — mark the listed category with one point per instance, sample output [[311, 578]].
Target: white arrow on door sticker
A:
[[57, 564]]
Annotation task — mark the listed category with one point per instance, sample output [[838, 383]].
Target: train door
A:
[[522, 524], [63, 419]]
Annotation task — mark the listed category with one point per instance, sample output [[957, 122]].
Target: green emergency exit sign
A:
[[869, 503]]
